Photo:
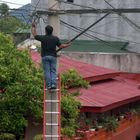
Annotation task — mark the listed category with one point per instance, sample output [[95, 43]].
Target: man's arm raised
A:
[[34, 29]]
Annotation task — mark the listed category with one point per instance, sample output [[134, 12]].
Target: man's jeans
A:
[[49, 67]]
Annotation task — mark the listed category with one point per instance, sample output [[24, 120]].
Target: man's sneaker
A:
[[53, 87], [49, 88]]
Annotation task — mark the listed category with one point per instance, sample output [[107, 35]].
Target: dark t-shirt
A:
[[48, 44]]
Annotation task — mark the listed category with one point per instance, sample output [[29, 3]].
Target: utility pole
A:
[[53, 19], [51, 125]]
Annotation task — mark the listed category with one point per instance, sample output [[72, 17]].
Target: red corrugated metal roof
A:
[[88, 71], [35, 57], [106, 94], [132, 76]]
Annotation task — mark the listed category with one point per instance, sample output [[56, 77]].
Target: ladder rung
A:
[[52, 101], [52, 90], [54, 124], [52, 136], [52, 112]]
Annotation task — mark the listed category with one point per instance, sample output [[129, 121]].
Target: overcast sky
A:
[[15, 3]]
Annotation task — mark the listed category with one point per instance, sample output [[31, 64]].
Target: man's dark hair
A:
[[49, 29]]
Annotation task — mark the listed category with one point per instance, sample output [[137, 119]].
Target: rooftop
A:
[[109, 88], [97, 46]]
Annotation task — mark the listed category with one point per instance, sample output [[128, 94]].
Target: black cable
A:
[[125, 17], [82, 6], [120, 39], [86, 34], [77, 30], [86, 29]]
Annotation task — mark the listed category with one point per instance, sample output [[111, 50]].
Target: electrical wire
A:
[[86, 34], [126, 18], [97, 27], [82, 6], [93, 37], [120, 39]]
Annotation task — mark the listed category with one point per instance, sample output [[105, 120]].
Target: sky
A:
[[15, 3]]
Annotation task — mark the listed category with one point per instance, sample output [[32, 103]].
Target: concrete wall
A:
[[128, 62], [113, 27], [128, 134]]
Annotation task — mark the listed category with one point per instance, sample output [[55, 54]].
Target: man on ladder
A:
[[49, 42]]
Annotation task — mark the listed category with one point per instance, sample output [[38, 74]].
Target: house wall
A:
[[129, 62], [128, 134], [113, 27]]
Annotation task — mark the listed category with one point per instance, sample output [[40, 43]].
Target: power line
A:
[[86, 34], [87, 29], [120, 39], [82, 6], [125, 17]]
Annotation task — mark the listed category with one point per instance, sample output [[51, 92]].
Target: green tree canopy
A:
[[10, 24], [4, 10], [21, 91], [21, 88]]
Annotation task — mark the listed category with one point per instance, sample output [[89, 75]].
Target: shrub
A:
[[38, 137], [72, 79], [7, 136]]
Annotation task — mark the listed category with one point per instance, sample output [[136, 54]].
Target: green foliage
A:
[[110, 123], [4, 10], [72, 79], [69, 105], [38, 137], [68, 131], [10, 24], [7, 136], [22, 84], [137, 108], [70, 111]]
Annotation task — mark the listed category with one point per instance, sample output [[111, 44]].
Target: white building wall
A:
[[113, 27]]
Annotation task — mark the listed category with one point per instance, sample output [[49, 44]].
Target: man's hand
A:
[[33, 25], [33, 29], [65, 45]]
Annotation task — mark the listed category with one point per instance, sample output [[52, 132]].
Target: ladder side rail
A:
[[44, 115], [59, 107]]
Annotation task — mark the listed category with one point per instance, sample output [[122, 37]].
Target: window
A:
[[70, 0]]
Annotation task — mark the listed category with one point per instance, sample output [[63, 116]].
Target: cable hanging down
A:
[[86, 29]]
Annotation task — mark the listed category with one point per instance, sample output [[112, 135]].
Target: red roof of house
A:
[[88, 71], [110, 89]]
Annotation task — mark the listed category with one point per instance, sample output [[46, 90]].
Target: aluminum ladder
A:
[[52, 112]]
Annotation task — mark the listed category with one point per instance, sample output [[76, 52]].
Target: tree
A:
[[21, 91], [21, 87], [10, 24], [4, 10], [70, 107]]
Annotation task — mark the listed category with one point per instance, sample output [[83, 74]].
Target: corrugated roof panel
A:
[[104, 94], [86, 70], [107, 93]]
